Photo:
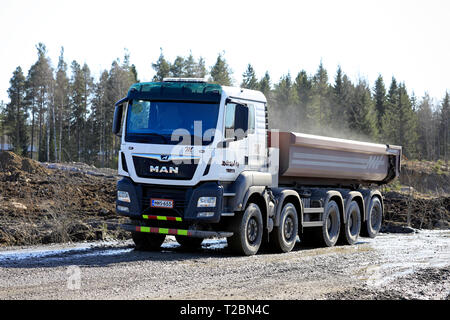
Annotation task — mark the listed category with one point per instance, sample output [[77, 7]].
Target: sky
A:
[[403, 38]]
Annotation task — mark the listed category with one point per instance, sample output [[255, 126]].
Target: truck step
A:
[[313, 210], [312, 224], [177, 232]]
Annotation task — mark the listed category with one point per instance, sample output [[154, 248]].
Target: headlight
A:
[[206, 202], [123, 196]]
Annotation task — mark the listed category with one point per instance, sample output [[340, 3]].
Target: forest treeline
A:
[[63, 114]]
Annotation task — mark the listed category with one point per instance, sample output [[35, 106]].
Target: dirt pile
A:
[[426, 176], [14, 166], [40, 205], [417, 211]]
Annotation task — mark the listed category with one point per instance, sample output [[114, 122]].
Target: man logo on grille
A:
[[158, 169]]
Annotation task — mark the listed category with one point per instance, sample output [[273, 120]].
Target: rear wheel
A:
[[328, 234], [283, 237], [147, 241], [371, 227], [350, 230], [189, 242], [247, 231], [332, 224]]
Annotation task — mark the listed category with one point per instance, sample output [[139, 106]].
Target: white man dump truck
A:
[[198, 160]]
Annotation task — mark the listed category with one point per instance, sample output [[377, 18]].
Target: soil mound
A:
[[419, 212], [11, 163], [426, 176], [40, 205]]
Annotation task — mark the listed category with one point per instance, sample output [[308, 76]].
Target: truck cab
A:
[[188, 150]]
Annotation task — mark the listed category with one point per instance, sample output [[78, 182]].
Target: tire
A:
[[284, 237], [247, 231], [328, 234], [350, 231], [189, 242], [371, 227], [148, 241]]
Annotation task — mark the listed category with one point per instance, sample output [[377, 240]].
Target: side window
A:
[[251, 118], [229, 120]]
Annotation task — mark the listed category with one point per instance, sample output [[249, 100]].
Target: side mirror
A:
[[117, 121]]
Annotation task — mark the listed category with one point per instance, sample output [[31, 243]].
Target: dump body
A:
[[315, 160]]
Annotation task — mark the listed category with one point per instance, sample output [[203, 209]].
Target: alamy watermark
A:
[[74, 278]]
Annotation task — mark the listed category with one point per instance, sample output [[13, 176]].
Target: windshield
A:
[[164, 122]]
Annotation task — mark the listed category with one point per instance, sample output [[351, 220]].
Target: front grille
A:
[[152, 168], [179, 195]]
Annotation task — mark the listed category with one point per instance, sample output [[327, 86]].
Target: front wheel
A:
[[148, 241], [247, 231], [189, 242]]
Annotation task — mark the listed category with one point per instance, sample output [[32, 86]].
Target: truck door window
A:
[[229, 120], [251, 118]]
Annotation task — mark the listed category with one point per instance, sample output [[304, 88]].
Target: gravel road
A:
[[391, 266]]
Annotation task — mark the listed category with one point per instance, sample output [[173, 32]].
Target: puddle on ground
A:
[[403, 254]]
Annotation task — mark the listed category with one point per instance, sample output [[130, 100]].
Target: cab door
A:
[[235, 157]]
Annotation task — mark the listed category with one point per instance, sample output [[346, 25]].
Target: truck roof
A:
[[241, 93]]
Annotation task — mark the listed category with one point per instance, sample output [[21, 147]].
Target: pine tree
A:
[[399, 120], [302, 86], [425, 128], [320, 102], [200, 68], [285, 102], [100, 117], [265, 85], [81, 87], [341, 101], [389, 118], [161, 67], [221, 72], [177, 68], [61, 98], [193, 68], [16, 113], [249, 80], [39, 96], [380, 100], [362, 117]]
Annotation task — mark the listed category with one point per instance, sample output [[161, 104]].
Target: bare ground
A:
[[391, 266]]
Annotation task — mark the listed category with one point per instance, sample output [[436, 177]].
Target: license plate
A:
[[161, 203]]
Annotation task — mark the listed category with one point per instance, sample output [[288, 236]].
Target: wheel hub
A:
[[288, 228], [252, 230]]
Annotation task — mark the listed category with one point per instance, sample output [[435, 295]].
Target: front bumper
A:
[[185, 201], [177, 232]]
